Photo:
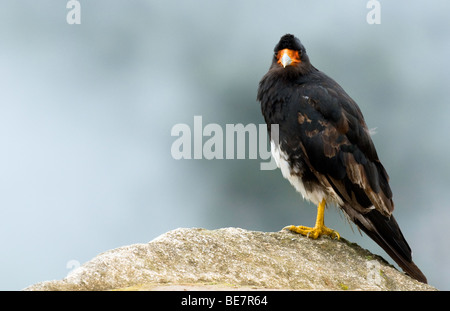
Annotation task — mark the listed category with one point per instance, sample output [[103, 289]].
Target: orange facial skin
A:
[[287, 57]]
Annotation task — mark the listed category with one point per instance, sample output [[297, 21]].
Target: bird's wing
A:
[[336, 142]]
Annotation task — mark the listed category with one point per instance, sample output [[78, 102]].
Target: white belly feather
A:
[[291, 173]]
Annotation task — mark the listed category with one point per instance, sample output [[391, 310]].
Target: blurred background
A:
[[86, 113]]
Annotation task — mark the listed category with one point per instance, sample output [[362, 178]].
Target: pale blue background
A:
[[86, 113]]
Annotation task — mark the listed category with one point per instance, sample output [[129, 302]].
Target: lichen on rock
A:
[[233, 258]]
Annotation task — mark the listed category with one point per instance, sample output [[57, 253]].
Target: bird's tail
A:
[[386, 233]]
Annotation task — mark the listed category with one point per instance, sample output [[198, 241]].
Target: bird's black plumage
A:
[[325, 150]]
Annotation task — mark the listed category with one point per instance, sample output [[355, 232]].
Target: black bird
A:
[[323, 147]]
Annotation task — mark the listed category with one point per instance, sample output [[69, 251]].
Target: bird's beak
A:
[[285, 60], [288, 57]]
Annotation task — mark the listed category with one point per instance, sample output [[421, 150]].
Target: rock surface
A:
[[235, 259]]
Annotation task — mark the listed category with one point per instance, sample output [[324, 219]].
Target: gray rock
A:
[[236, 259]]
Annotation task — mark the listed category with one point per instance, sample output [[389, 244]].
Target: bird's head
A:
[[290, 53]]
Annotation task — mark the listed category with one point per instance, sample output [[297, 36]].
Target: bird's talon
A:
[[314, 233], [336, 235]]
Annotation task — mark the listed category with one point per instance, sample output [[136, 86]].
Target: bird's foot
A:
[[315, 232]]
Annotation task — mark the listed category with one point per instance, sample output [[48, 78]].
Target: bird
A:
[[324, 148]]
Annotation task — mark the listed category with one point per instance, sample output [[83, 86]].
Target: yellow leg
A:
[[319, 229]]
